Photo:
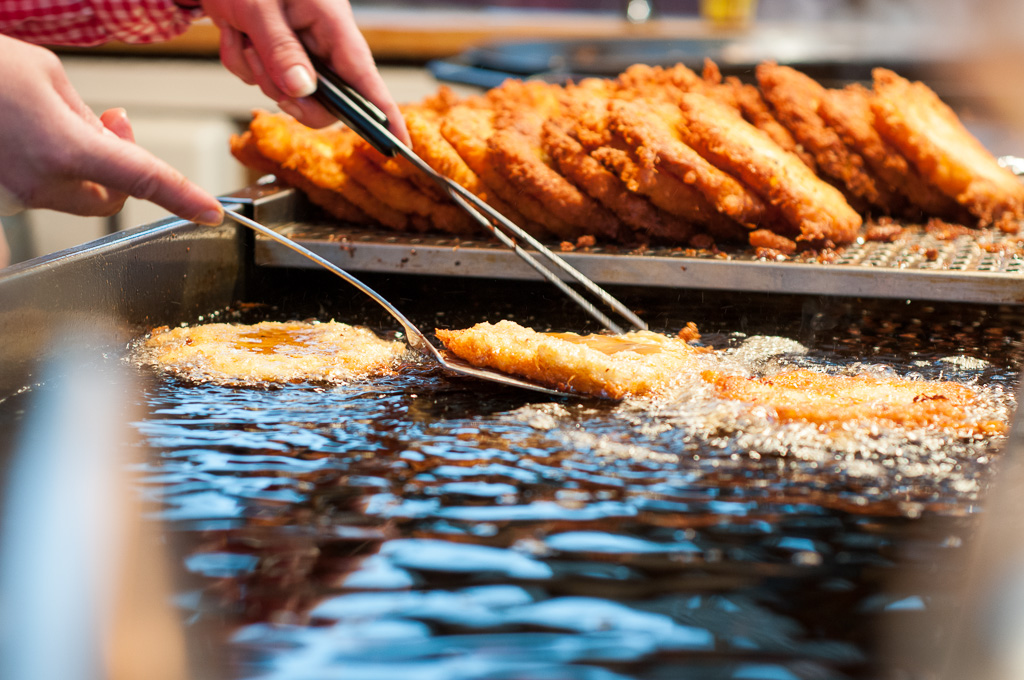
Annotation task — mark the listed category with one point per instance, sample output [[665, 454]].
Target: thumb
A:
[[281, 53]]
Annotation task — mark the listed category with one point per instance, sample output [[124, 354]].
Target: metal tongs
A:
[[370, 123]]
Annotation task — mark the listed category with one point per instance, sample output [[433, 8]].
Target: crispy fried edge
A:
[[794, 98], [468, 129], [313, 154], [590, 175], [246, 150], [930, 134], [815, 209], [849, 112], [652, 132], [522, 160]]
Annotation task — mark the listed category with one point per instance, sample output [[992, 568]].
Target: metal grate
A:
[[982, 266]]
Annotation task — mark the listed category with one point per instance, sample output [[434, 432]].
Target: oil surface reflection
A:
[[429, 528]]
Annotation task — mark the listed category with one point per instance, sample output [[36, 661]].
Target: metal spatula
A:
[[417, 340], [370, 123]]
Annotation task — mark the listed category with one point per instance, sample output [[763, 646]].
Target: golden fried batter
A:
[[424, 211], [526, 166], [664, 190], [637, 364], [659, 153], [587, 173], [314, 155], [649, 365], [795, 97], [246, 150], [271, 352], [424, 127], [848, 112], [652, 131], [911, 117], [755, 110], [831, 401], [468, 129], [815, 210], [660, 84]]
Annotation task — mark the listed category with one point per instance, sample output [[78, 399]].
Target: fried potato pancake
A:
[[795, 97], [912, 118], [271, 352], [755, 110], [814, 209], [660, 153], [528, 167], [668, 192], [644, 364], [848, 112], [664, 190], [831, 401], [406, 196], [652, 130], [424, 125], [587, 173], [468, 129], [245, 149], [636, 364], [314, 154]]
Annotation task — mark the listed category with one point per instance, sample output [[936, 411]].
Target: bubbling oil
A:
[[419, 524]]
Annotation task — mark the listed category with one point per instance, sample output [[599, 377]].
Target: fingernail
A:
[[298, 82], [210, 218]]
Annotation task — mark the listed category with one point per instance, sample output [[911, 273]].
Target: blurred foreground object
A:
[[80, 571]]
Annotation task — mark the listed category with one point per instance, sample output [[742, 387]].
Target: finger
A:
[[231, 56], [79, 198], [350, 57], [128, 168], [282, 55], [308, 112], [262, 79], [116, 120]]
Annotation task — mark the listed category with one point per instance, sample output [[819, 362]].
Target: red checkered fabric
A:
[[92, 22]]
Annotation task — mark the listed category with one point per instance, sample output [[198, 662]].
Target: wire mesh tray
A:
[[984, 267], [980, 266]]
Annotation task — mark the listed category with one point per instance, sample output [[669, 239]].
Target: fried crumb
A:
[[765, 239], [827, 256], [689, 332], [883, 233], [945, 231], [763, 253]]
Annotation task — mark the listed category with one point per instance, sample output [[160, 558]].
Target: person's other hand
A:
[[262, 42], [58, 154]]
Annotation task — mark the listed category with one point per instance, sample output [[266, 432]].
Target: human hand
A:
[[58, 154], [264, 43]]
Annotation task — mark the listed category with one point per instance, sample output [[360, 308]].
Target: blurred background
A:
[[184, 104]]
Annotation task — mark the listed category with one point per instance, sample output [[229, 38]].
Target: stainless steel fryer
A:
[[174, 272]]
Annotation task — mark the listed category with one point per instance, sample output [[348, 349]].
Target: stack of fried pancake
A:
[[661, 155]]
